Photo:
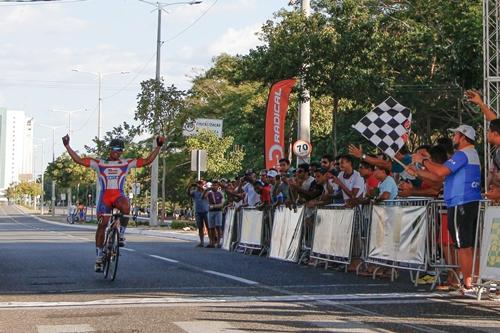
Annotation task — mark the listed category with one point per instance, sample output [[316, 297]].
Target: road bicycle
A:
[[72, 218], [111, 249]]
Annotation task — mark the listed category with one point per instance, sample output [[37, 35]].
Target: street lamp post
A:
[[69, 113], [153, 220], [42, 177], [99, 76], [53, 196]]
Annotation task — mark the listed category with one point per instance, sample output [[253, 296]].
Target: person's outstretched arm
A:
[[160, 140], [475, 97], [358, 153], [74, 156]]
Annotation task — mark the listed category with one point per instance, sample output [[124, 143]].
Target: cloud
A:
[[186, 13], [236, 41], [42, 19]]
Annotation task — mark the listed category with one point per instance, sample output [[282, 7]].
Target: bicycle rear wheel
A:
[[112, 255]]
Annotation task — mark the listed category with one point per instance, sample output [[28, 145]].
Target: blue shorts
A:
[[215, 219]]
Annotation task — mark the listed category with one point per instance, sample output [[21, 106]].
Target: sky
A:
[[42, 43]]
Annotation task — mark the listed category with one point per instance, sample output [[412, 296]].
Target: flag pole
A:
[[398, 161]]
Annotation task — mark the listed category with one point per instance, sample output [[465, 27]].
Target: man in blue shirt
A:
[[462, 193], [197, 193]]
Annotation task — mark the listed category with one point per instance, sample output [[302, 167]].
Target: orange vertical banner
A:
[[277, 107]]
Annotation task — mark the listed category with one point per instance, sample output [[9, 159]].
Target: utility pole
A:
[[53, 196], [42, 176], [99, 107], [304, 116], [153, 220], [99, 76], [43, 185], [153, 209]]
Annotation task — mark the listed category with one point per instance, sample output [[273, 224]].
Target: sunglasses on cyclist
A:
[[117, 149]]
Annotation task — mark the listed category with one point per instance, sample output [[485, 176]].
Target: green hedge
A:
[[182, 224]]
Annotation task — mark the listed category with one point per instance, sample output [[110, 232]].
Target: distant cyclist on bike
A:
[[111, 174]]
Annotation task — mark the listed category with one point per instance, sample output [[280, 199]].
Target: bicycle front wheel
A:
[[112, 255]]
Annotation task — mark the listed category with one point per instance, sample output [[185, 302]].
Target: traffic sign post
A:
[[302, 149], [199, 161]]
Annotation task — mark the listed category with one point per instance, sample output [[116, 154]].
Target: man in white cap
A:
[[462, 193]]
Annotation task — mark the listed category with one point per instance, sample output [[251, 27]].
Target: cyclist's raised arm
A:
[[159, 141], [74, 156]]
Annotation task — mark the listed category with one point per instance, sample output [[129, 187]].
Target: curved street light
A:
[[99, 76]]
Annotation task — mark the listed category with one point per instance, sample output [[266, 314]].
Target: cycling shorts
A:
[[108, 200]]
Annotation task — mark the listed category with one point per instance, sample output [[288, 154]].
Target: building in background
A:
[[16, 148]]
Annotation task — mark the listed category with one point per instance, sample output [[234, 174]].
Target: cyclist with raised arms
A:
[[111, 173]]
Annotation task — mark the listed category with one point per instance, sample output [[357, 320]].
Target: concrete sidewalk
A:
[[191, 236]]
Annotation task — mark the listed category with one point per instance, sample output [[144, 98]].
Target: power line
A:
[[193, 23], [16, 3], [91, 114], [55, 84], [127, 85]]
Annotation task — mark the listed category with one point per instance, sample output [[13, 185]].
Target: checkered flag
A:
[[386, 126]]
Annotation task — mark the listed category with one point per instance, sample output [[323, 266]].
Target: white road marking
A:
[[205, 326], [128, 249], [164, 259], [346, 325], [231, 277], [418, 327], [324, 299], [332, 285], [84, 328]]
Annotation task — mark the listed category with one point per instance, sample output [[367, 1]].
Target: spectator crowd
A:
[[449, 169]]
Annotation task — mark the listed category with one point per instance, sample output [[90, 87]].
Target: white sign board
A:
[[63, 196], [202, 157], [191, 127]]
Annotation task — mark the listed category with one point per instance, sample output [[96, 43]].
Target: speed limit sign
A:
[[302, 148]]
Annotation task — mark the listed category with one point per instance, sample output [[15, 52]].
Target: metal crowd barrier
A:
[[408, 234], [487, 249], [267, 221], [361, 234], [397, 237], [250, 226], [333, 233], [306, 239], [442, 254], [286, 235], [229, 236]]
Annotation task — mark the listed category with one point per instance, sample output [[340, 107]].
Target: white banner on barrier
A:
[[228, 229], [490, 247], [398, 234], [286, 234], [251, 227], [333, 232]]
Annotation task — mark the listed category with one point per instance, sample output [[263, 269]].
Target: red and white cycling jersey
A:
[[111, 176]]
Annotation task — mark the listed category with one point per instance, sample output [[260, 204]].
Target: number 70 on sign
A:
[[302, 148]]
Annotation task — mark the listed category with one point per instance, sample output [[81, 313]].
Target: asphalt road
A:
[[165, 284]]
